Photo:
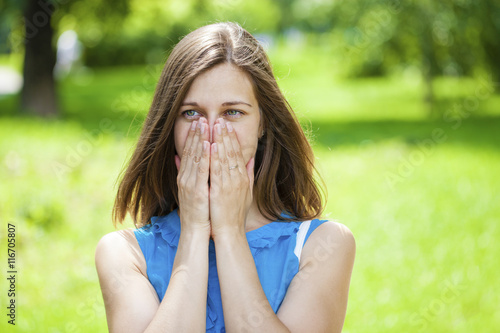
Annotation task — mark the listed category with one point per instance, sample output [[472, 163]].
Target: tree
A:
[[41, 19], [451, 37], [38, 94]]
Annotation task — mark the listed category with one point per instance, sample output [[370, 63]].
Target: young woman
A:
[[222, 191]]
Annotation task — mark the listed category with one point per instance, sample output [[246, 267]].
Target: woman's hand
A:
[[231, 182], [192, 179]]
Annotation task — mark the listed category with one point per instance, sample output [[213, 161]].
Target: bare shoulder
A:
[[330, 241], [316, 300], [119, 238], [129, 298], [120, 248], [339, 232], [116, 242]]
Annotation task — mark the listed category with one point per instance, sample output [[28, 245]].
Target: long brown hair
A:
[[284, 162]]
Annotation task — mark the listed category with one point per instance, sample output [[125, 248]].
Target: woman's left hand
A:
[[231, 182]]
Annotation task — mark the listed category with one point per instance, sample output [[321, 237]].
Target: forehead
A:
[[221, 83]]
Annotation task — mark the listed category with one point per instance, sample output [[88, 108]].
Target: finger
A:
[[188, 144], [177, 161], [250, 172], [203, 166], [221, 153], [206, 133], [233, 167], [235, 144], [198, 150], [190, 152], [215, 168]]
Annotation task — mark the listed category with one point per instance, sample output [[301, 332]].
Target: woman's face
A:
[[224, 92]]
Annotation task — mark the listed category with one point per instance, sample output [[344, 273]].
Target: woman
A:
[[221, 187]]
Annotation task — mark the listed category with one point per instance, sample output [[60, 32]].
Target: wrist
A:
[[228, 233], [195, 232]]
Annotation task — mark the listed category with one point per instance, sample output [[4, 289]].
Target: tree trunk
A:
[[428, 61], [489, 39], [38, 95], [428, 90]]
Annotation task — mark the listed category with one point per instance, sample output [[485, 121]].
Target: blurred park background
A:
[[401, 99]]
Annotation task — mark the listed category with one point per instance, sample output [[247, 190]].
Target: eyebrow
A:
[[230, 103], [235, 103]]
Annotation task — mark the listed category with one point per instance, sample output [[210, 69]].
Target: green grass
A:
[[423, 208]]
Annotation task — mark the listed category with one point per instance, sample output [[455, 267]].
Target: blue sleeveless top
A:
[[275, 247]]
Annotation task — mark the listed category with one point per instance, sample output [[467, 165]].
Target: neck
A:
[[254, 218]]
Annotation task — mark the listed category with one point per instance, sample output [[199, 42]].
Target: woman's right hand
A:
[[192, 179]]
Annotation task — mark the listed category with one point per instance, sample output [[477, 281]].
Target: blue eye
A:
[[190, 114], [234, 113]]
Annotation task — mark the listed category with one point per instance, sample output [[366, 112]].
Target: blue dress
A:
[[275, 247]]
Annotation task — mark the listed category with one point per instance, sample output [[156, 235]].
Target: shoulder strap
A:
[[301, 238], [314, 224], [305, 230]]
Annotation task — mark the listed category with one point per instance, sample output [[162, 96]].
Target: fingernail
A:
[[205, 145], [219, 130], [215, 147], [202, 128], [193, 125], [199, 125], [229, 127], [222, 123]]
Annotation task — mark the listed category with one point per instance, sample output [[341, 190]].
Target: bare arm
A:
[[230, 198], [316, 300], [245, 304], [134, 307], [131, 301]]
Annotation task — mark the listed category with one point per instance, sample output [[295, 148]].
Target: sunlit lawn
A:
[[422, 197]]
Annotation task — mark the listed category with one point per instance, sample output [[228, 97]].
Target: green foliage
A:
[[451, 37], [423, 208], [143, 40], [369, 37]]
